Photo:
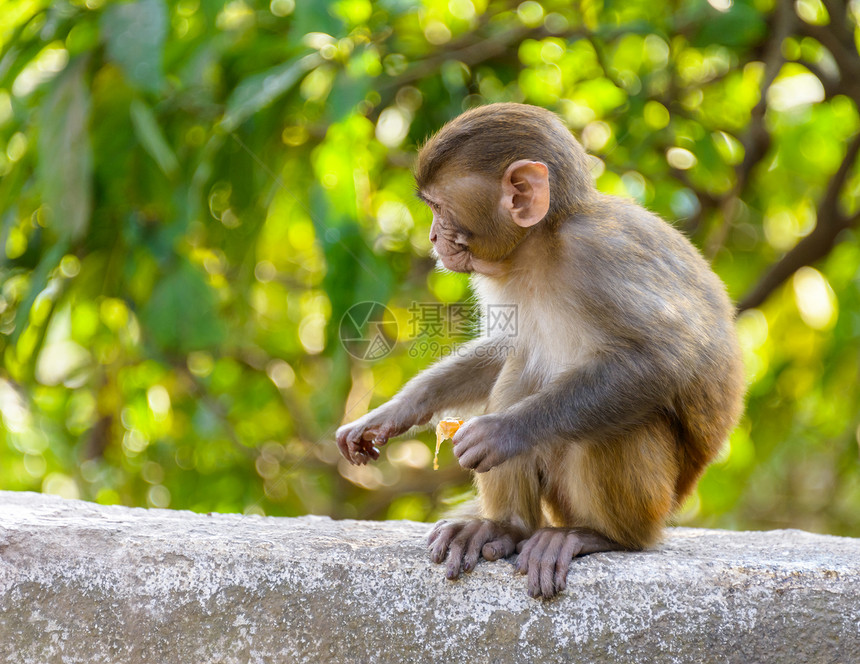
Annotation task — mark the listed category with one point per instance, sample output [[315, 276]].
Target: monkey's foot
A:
[[463, 542], [546, 556]]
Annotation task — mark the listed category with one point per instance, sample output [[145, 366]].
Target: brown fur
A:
[[471, 142], [624, 379], [613, 257]]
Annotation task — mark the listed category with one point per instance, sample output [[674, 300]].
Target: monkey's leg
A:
[[607, 496], [510, 502]]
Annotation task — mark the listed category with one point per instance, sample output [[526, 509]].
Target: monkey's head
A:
[[494, 173]]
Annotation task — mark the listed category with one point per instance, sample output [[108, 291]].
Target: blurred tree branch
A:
[[815, 246], [830, 221], [476, 48], [757, 139]]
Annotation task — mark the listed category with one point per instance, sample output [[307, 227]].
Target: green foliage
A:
[[64, 130], [194, 193], [181, 313], [134, 35]]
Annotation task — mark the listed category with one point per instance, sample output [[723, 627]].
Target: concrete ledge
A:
[[85, 583]]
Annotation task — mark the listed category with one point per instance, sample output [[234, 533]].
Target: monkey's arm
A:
[[462, 378], [610, 393]]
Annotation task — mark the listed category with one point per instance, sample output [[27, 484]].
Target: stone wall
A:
[[86, 583]]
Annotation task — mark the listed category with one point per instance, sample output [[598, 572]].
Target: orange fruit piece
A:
[[445, 430]]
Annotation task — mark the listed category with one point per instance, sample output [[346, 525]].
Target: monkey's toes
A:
[[440, 539], [463, 543], [499, 548]]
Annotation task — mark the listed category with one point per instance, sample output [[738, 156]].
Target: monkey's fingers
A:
[[490, 461], [435, 531], [571, 548], [351, 444], [369, 447], [359, 454], [341, 437], [473, 549], [367, 454], [344, 449], [354, 434], [525, 549], [548, 563], [358, 445], [535, 554], [458, 546], [375, 435], [441, 527], [470, 457], [499, 548], [442, 539]]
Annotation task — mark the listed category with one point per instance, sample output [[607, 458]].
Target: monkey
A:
[[624, 377]]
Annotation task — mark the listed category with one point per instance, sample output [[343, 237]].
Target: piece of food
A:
[[445, 430]]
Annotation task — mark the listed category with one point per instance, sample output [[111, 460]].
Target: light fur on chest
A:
[[550, 336]]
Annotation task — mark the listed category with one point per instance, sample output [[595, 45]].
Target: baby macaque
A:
[[623, 378]]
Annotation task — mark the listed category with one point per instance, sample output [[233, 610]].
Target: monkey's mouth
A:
[[458, 260]]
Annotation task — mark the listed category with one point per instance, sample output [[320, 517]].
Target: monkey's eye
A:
[[435, 207]]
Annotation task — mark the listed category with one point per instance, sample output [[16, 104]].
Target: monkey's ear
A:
[[525, 192]]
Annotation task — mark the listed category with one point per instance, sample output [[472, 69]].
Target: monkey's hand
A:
[[484, 442], [546, 556], [463, 542], [358, 441]]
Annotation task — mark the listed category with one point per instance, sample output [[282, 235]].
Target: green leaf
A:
[[38, 282], [260, 90], [182, 315], [65, 166], [314, 17], [739, 26], [135, 34], [151, 137]]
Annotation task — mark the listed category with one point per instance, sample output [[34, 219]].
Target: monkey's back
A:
[[650, 288]]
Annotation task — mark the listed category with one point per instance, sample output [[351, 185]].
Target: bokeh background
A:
[[194, 192]]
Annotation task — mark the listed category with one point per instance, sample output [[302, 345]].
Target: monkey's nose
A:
[[433, 237]]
